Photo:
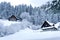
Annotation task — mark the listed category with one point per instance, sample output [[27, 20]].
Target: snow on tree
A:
[[6, 9], [25, 15], [36, 15]]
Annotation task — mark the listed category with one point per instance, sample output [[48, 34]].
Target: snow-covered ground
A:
[[23, 31], [29, 34]]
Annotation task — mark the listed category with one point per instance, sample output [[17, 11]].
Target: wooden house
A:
[[12, 18], [48, 26]]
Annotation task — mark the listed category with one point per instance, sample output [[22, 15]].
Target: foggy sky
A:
[[28, 2]]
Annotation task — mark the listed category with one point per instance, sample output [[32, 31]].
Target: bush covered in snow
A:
[[10, 27]]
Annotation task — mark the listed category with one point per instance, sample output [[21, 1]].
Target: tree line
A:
[[37, 15]]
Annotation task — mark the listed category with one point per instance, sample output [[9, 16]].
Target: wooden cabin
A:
[[12, 18], [48, 26], [45, 24]]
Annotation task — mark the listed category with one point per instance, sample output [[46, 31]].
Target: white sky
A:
[[28, 2]]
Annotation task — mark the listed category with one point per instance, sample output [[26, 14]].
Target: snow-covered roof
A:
[[50, 23]]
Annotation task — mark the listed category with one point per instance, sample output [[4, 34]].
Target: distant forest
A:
[[37, 15]]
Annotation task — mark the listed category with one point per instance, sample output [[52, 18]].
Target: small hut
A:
[[12, 18], [45, 24], [48, 26]]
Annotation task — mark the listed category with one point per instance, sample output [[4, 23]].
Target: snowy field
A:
[[23, 31], [28, 34]]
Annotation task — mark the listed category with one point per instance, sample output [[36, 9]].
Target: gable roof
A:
[[46, 24], [12, 16]]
